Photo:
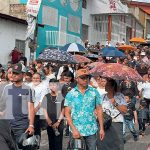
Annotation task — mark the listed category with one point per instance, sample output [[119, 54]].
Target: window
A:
[[50, 16], [74, 24], [84, 4], [20, 44]]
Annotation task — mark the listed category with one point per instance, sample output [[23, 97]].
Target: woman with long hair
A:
[[114, 105]]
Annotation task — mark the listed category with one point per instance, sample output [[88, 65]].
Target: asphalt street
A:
[[142, 144]]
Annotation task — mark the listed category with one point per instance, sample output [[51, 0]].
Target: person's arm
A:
[[31, 118], [75, 132], [36, 109], [135, 117], [48, 120], [99, 112], [121, 108]]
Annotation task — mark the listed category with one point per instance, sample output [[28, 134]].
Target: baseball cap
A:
[[143, 102], [17, 68], [81, 72]]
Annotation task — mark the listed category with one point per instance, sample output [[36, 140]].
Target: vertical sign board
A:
[[33, 7]]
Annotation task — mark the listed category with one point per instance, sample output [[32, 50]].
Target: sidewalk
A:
[[141, 144]]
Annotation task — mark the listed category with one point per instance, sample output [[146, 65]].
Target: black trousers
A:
[[55, 142], [7, 141], [37, 125], [142, 123]]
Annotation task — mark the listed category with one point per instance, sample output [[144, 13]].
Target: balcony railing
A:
[[56, 38]]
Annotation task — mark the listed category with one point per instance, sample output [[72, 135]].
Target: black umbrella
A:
[[56, 56]]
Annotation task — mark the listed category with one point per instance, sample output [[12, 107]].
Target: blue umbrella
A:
[[73, 47], [94, 56], [56, 56], [109, 48], [112, 52]]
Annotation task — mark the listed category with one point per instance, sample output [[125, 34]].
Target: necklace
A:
[[54, 98]]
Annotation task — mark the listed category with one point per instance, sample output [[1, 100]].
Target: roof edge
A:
[[12, 18]]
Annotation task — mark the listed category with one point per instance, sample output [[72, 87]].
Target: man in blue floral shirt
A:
[[80, 105]]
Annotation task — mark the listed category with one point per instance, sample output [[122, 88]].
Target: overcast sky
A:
[[148, 1]]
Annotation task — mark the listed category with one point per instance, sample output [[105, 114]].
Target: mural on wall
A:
[[59, 23], [62, 21]]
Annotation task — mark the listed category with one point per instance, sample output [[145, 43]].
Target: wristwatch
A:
[[116, 104]]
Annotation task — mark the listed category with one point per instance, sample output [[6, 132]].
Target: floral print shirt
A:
[[82, 109]]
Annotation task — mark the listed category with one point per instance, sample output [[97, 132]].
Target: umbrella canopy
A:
[[94, 64], [81, 59], [116, 71], [109, 48], [138, 40], [56, 56], [92, 56], [112, 52], [126, 47], [73, 47]]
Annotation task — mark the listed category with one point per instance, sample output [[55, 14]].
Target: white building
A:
[[12, 34], [108, 20]]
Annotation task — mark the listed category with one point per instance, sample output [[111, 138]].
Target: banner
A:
[[31, 27], [33, 7]]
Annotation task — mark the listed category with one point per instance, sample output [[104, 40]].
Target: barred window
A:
[[50, 16], [20, 44], [74, 24]]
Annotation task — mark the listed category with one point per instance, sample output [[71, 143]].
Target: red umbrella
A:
[[94, 64], [116, 71], [81, 59]]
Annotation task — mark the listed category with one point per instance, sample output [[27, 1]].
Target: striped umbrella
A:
[[73, 47]]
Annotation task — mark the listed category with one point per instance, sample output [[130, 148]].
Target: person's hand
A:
[[30, 130], [113, 101], [56, 125], [49, 122], [76, 134], [102, 134]]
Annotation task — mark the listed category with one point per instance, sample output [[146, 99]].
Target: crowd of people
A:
[[49, 96]]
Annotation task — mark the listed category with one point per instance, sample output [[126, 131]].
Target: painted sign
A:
[[33, 7]]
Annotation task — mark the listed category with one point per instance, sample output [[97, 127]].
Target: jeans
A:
[[130, 125], [90, 142]]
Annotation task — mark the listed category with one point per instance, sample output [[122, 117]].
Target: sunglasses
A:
[[84, 77]]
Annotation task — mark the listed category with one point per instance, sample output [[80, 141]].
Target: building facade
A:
[[62, 22], [12, 34], [142, 12], [109, 20]]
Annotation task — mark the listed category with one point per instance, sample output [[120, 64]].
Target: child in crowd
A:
[[143, 116], [129, 116]]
